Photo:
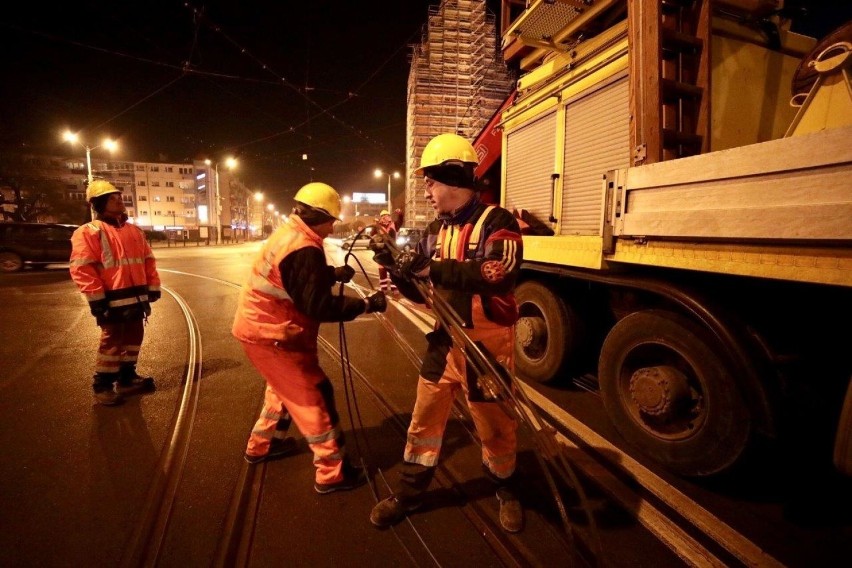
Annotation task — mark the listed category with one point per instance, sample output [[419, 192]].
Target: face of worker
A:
[[114, 205], [445, 198], [324, 229]]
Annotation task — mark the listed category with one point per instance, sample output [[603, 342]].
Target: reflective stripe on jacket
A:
[[476, 253], [265, 312], [113, 262]]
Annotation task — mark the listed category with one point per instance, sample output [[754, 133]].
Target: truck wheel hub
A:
[[658, 391], [530, 332]]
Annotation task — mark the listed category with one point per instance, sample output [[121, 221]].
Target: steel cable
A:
[[502, 385]]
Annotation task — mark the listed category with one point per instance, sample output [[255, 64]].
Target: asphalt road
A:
[[75, 477]]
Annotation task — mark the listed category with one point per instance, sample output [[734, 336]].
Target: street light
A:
[[379, 173], [108, 143], [230, 163]]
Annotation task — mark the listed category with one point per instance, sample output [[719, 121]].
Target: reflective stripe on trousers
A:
[[119, 345], [496, 429], [273, 423], [385, 282], [300, 385]]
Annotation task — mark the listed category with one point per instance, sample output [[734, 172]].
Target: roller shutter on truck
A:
[[597, 139], [530, 161]]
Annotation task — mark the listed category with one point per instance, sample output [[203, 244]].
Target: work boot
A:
[[108, 398], [103, 389], [135, 386], [390, 511], [511, 511], [352, 477], [129, 383], [278, 448]]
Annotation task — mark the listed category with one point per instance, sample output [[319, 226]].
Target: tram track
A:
[[235, 542], [146, 543], [707, 541]]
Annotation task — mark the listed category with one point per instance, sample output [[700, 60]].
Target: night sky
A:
[[265, 81]]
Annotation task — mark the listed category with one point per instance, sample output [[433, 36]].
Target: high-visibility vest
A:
[[454, 243], [265, 312], [113, 262]]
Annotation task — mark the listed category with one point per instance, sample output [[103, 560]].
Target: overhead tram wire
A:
[[283, 80], [140, 101]]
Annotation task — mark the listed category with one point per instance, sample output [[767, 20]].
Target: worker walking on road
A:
[[470, 255], [386, 225], [113, 266], [287, 295]]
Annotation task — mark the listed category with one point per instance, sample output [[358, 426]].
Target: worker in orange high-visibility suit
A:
[[287, 295], [113, 266], [470, 255], [386, 225]]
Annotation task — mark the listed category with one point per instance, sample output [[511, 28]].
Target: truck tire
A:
[[671, 395], [10, 262], [547, 334]]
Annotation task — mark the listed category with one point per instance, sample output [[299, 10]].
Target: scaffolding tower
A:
[[456, 82]]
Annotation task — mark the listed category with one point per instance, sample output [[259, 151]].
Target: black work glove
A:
[[378, 242], [376, 302], [410, 264], [381, 251], [153, 295], [99, 308], [384, 258], [343, 273]]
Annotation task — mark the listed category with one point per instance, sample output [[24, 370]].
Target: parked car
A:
[[407, 237], [34, 244], [352, 243]]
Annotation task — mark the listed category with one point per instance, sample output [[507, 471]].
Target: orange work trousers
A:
[[497, 429], [296, 384], [119, 345], [274, 422]]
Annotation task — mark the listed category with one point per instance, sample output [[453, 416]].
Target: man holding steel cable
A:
[[470, 255], [287, 295]]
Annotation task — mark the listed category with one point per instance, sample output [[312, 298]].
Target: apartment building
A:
[[159, 196]]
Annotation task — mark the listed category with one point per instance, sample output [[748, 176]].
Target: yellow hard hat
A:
[[384, 212], [445, 148], [320, 196], [100, 187]]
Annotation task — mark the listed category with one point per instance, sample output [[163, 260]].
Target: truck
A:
[[685, 169]]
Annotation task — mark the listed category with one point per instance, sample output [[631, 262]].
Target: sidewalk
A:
[[158, 244]]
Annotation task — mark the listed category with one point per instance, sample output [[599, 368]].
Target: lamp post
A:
[[230, 163], [269, 207], [379, 173], [108, 143], [258, 196]]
